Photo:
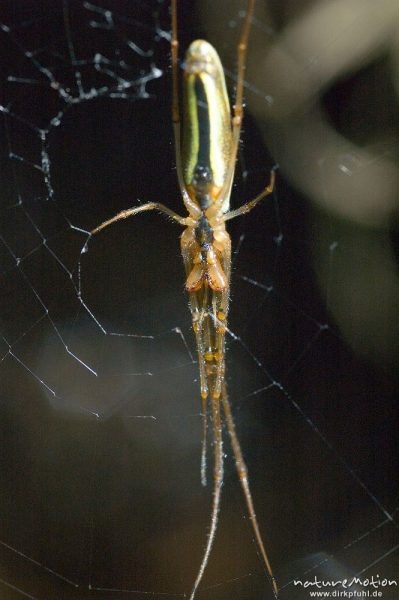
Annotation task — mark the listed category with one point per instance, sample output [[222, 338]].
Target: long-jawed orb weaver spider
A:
[[205, 164]]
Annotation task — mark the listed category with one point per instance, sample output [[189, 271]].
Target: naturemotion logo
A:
[[354, 587]]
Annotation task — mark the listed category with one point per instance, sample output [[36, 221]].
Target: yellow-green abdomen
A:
[[207, 137]]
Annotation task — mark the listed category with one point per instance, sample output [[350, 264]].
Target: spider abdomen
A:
[[207, 135]]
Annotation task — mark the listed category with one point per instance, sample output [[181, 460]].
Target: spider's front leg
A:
[[220, 303], [207, 261], [208, 272], [198, 303]]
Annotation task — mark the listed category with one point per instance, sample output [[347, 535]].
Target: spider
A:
[[205, 164]]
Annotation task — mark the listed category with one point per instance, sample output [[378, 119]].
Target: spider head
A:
[[204, 233]]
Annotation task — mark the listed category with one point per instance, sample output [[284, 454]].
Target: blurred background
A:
[[100, 426]]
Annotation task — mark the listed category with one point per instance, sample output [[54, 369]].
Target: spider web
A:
[[100, 414]]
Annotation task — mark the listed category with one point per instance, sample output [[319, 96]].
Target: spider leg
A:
[[217, 488], [201, 330], [130, 212], [243, 477], [192, 208], [198, 308], [238, 104], [222, 245], [248, 206], [204, 408]]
